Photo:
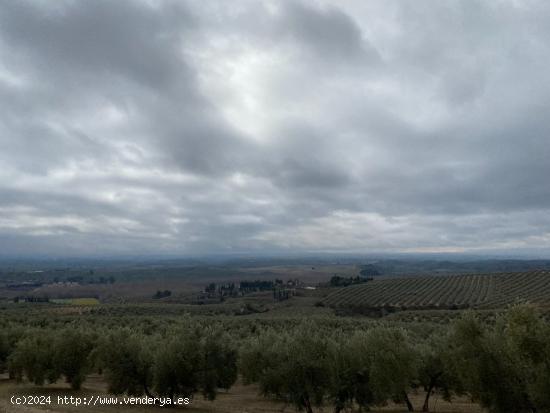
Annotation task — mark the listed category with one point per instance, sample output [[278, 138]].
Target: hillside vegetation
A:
[[312, 364], [456, 291]]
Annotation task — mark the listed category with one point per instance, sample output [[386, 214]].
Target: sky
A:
[[197, 127]]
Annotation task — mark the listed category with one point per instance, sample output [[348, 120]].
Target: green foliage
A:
[[501, 361], [505, 367], [291, 366], [526, 337], [193, 361], [433, 372], [449, 292], [337, 281], [72, 355], [220, 362], [393, 364], [35, 359], [126, 360], [349, 366], [306, 367], [176, 367]]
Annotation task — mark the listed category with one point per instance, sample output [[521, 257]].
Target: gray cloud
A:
[[182, 127]]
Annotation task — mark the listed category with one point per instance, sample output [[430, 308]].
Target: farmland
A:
[[127, 337], [445, 292], [262, 362]]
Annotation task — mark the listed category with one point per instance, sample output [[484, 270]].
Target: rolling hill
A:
[[446, 292]]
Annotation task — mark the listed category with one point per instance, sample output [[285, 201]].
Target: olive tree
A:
[[193, 361], [349, 367], [291, 366], [526, 336], [218, 363], [72, 355], [34, 358], [393, 364], [126, 360], [433, 373], [506, 366]]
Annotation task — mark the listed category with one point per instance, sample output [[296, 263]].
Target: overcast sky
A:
[[162, 127]]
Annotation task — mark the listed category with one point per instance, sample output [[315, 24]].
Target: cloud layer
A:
[[171, 127]]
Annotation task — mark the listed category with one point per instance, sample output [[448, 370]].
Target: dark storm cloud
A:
[[327, 33], [184, 127], [123, 38]]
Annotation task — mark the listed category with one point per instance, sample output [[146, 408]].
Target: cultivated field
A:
[[448, 292]]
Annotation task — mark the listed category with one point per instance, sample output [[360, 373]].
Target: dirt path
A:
[[240, 399]]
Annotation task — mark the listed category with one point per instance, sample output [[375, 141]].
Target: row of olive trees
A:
[[46, 356], [307, 368], [180, 364], [504, 366]]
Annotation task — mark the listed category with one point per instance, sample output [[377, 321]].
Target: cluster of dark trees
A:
[[243, 286], [337, 281], [162, 294], [247, 286], [30, 299], [23, 286], [80, 279], [256, 285], [281, 294], [504, 365]]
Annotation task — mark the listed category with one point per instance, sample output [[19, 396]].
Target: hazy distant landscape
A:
[[109, 281]]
